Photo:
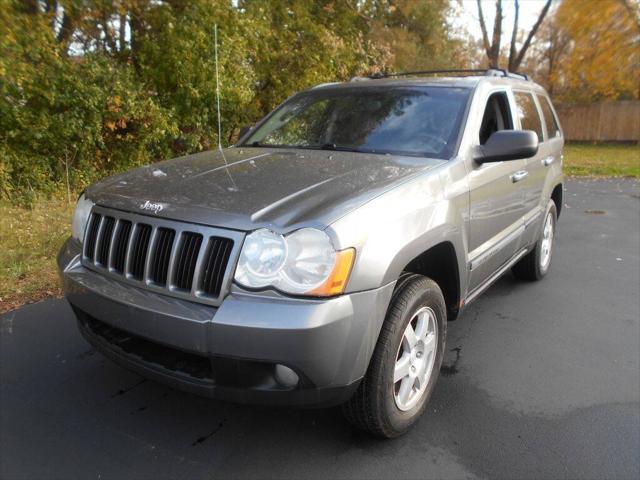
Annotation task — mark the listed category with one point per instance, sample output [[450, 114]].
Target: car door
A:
[[529, 118], [553, 143], [496, 198]]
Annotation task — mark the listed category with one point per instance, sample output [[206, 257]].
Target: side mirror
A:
[[508, 145], [244, 130]]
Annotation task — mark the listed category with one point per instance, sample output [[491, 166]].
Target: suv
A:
[[318, 261]]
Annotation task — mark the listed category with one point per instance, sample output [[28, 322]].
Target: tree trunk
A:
[[492, 49], [122, 41], [494, 58], [514, 37]]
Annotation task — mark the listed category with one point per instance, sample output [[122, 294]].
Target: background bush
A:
[[92, 87]]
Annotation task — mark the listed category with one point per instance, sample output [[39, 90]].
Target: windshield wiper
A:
[[268, 145], [324, 146], [334, 147], [328, 146]]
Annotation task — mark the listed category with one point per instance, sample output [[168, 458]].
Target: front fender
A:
[[395, 228]]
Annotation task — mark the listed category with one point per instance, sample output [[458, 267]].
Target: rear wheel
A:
[[535, 264], [406, 361]]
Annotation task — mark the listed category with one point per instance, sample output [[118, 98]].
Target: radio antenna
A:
[[215, 49], [215, 37]]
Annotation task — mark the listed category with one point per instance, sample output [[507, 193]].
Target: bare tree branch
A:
[[358, 12], [633, 11], [483, 27], [533, 31], [31, 6]]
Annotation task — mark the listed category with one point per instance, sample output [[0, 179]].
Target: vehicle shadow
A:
[[72, 398]]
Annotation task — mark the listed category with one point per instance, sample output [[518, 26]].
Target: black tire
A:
[[530, 268], [373, 407]]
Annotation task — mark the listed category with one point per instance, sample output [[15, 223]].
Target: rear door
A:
[[496, 198], [553, 140], [529, 118]]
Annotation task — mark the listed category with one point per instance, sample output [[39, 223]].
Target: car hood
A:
[[248, 188]]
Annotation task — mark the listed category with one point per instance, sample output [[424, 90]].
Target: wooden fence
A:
[[601, 121]]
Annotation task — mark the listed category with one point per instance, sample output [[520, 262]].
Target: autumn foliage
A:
[[589, 50], [88, 88], [92, 87]]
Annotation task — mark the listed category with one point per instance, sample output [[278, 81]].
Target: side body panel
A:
[[545, 172], [496, 200], [392, 230]]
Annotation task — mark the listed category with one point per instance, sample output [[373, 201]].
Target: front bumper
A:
[[229, 352]]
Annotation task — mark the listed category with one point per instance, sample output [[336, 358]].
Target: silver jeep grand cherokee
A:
[[318, 261]]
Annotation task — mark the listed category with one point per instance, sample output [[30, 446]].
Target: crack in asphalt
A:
[[122, 391], [200, 440]]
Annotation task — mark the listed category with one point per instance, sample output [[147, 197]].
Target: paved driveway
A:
[[541, 381]]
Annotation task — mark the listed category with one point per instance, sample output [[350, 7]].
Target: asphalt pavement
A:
[[541, 380]]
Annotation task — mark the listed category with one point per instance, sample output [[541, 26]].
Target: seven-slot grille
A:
[[183, 260]]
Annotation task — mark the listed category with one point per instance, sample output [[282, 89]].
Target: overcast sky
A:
[[468, 16]]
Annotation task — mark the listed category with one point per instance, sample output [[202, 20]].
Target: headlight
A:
[[302, 263], [80, 217]]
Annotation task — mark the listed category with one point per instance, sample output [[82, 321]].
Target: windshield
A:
[[418, 121]]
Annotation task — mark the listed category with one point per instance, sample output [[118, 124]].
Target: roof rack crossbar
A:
[[490, 72]]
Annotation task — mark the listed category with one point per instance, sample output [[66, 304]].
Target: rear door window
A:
[[528, 113], [550, 122]]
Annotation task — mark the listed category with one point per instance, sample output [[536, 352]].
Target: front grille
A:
[[177, 259]]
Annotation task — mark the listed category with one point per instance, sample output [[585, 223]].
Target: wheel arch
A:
[[556, 196], [440, 263]]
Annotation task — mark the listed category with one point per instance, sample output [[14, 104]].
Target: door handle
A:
[[548, 161], [519, 175]]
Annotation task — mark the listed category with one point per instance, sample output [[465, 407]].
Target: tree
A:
[[603, 61], [546, 57], [589, 50], [493, 49], [92, 87], [414, 35]]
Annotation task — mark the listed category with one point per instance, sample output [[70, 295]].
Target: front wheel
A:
[[535, 264], [406, 361]]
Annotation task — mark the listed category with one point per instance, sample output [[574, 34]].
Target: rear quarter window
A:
[[550, 122], [528, 113]]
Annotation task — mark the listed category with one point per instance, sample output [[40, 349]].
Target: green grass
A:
[[602, 160], [29, 242], [30, 237]]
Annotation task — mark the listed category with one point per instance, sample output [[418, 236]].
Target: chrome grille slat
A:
[[188, 261], [217, 255], [190, 247], [199, 267], [149, 253], [96, 249], [128, 259], [92, 235], [104, 241], [140, 250], [121, 246], [161, 251]]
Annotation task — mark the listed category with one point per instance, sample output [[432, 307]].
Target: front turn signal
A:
[[339, 276]]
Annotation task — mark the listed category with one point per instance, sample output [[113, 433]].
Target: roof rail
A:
[[491, 72]]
